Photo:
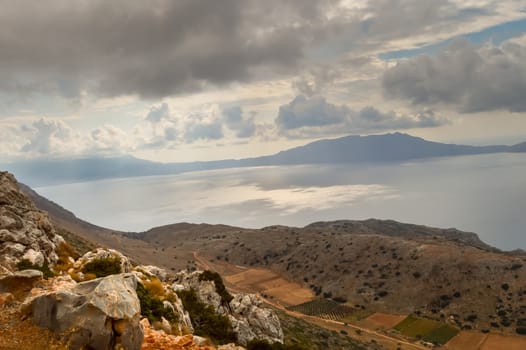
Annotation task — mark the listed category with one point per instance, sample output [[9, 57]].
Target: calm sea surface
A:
[[484, 194]]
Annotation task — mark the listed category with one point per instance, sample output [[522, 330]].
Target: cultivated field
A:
[[324, 308], [427, 330], [508, 342], [386, 321], [271, 284], [467, 341]]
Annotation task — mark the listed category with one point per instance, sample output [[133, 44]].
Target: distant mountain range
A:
[[396, 147]]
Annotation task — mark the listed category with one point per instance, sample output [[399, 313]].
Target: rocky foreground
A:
[[50, 296]]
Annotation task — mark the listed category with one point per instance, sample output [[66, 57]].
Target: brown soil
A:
[[19, 334], [270, 283], [385, 321], [508, 342]]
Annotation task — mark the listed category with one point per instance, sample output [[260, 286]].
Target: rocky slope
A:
[[101, 300]]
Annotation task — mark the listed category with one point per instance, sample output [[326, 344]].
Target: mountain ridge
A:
[[394, 147]]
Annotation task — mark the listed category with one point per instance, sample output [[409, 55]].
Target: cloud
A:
[[158, 112], [203, 126], [314, 117], [162, 48], [109, 139], [313, 112], [234, 120], [47, 137], [469, 78]]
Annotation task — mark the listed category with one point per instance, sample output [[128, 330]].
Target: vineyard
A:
[[323, 308]]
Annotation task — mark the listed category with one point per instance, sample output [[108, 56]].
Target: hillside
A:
[[396, 147], [376, 264]]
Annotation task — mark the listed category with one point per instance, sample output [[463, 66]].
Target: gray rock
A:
[[97, 314], [25, 231], [251, 321]]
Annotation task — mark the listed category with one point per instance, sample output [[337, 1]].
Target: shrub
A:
[[208, 275], [25, 264], [206, 321], [103, 267], [153, 308], [155, 287]]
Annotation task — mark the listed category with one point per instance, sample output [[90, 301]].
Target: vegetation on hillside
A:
[[152, 307], [25, 264], [206, 322], [208, 275], [103, 267]]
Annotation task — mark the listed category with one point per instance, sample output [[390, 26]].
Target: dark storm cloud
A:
[[470, 78], [151, 48], [161, 47], [310, 117]]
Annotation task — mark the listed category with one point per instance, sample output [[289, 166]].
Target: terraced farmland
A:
[[323, 308]]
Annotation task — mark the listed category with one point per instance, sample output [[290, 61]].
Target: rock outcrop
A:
[[250, 320], [97, 314], [25, 231]]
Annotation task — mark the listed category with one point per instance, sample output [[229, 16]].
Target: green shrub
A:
[[25, 264], [153, 308], [103, 267], [206, 322], [208, 275]]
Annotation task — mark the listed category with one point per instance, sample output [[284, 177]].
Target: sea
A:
[[485, 194]]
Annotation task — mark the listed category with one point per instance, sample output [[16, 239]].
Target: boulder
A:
[[20, 283], [97, 314]]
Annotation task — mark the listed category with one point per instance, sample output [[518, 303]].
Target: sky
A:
[[188, 80]]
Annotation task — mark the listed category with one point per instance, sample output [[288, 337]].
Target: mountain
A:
[[374, 148], [395, 147]]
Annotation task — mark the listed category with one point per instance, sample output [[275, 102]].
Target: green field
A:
[[441, 335], [426, 329]]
